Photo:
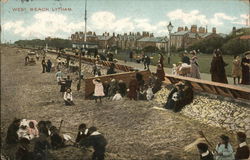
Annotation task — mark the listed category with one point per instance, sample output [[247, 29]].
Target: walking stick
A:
[[60, 126], [203, 135]]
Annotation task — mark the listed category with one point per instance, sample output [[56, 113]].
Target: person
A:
[[156, 82], [185, 58], [160, 71], [149, 93], [194, 71], [56, 140], [242, 151], [23, 150], [98, 92], [48, 66], [59, 75], [82, 133], [111, 69], [68, 82], [142, 93], [98, 68], [205, 154], [41, 146], [37, 56], [175, 97], [97, 141], [217, 69], [245, 65], [26, 60], [42, 129], [110, 56], [12, 137], [117, 96], [140, 80], [43, 65], [146, 62], [174, 69], [224, 149], [131, 56], [63, 86], [106, 88], [68, 98], [236, 69], [122, 88], [67, 61], [32, 129], [133, 89], [112, 88], [188, 96], [23, 132]]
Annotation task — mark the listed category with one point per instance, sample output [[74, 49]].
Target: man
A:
[[12, 136], [146, 62], [82, 133], [242, 152], [68, 82], [205, 154], [43, 65], [97, 141]]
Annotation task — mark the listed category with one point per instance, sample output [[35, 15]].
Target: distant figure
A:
[[12, 137], [67, 61], [82, 133], [122, 88], [55, 139], [97, 141], [131, 55], [185, 59], [217, 70], [245, 64], [160, 72], [112, 88], [26, 60], [37, 56], [63, 86], [133, 89], [43, 65], [149, 93], [49, 65], [194, 71], [68, 82], [224, 149], [242, 151], [146, 62], [68, 98], [99, 91], [117, 97], [236, 69], [59, 75], [205, 154], [106, 88], [111, 69]]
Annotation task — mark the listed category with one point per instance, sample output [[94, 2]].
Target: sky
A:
[[61, 18]]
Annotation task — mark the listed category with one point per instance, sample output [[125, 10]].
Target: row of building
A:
[[180, 39]]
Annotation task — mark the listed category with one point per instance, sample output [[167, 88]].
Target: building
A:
[[106, 41], [78, 40], [159, 42], [185, 37]]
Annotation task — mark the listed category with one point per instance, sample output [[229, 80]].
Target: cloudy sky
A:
[[117, 16]]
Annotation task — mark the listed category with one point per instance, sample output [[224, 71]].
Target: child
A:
[[149, 93], [82, 132], [224, 149], [68, 98], [142, 93], [32, 130], [117, 96], [98, 93], [205, 154]]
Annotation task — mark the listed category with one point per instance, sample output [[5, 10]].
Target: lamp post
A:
[[170, 27]]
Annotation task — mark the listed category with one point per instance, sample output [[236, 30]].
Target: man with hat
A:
[[205, 154], [242, 152], [245, 64]]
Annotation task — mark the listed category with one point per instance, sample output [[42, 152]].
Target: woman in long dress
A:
[[245, 64], [236, 69], [194, 71], [160, 69], [99, 91]]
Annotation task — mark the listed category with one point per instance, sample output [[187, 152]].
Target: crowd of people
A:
[[44, 136], [223, 150]]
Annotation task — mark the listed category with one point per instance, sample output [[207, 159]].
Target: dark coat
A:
[[208, 157], [111, 71], [160, 72], [133, 89], [23, 154], [242, 153], [217, 70], [245, 71], [122, 88], [56, 141], [63, 86], [12, 137], [185, 59], [80, 136], [68, 83]]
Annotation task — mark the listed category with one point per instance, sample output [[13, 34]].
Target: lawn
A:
[[204, 60]]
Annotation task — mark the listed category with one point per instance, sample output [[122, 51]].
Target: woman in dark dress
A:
[[133, 89], [48, 66], [245, 64], [160, 69]]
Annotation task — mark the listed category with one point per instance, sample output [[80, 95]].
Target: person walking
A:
[[49, 65], [194, 71], [99, 91], [43, 65], [245, 64], [236, 69]]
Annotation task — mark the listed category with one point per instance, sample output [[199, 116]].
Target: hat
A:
[[247, 53], [179, 83], [98, 79], [202, 146], [241, 135], [224, 138]]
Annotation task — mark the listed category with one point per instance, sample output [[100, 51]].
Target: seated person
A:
[[12, 136], [149, 93], [117, 96], [68, 98], [56, 140], [40, 148], [23, 150], [122, 88], [242, 151], [82, 132], [42, 129], [97, 141], [32, 129], [23, 132], [205, 154], [142, 93]]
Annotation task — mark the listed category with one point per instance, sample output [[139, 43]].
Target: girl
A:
[[99, 93], [224, 149]]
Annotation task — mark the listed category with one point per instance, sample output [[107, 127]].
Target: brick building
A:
[[78, 40]]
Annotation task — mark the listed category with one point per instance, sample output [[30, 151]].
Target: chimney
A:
[[108, 34], [194, 28], [113, 34], [138, 34], [103, 34], [94, 34], [180, 29], [214, 30], [130, 33], [151, 34], [186, 28], [201, 30]]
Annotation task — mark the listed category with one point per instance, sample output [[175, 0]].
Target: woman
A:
[[99, 91], [49, 65], [68, 98], [194, 71], [224, 149], [245, 64], [236, 69], [133, 88], [160, 72]]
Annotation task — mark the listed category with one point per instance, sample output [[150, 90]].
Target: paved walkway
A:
[[204, 76]]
